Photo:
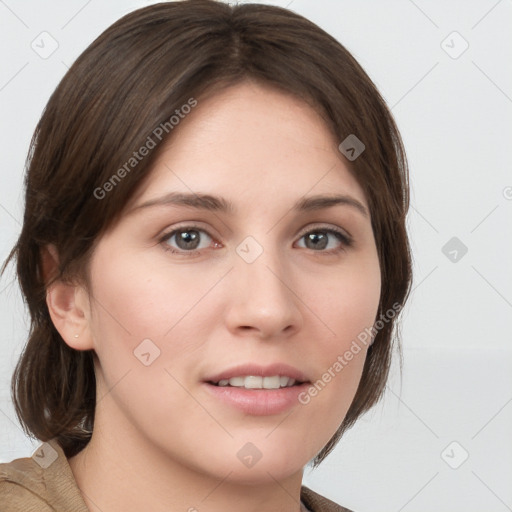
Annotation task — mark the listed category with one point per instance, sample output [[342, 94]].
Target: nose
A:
[[264, 301]]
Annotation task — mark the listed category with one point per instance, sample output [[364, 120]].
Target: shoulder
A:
[[318, 503], [40, 483], [22, 486]]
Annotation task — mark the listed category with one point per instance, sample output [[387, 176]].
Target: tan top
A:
[[45, 483]]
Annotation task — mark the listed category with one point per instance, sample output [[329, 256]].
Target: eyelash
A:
[[346, 241]]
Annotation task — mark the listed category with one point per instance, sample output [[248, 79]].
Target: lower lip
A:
[[259, 402]]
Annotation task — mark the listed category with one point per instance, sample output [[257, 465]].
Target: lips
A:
[[261, 401]]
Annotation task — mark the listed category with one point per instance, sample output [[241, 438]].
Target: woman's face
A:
[[264, 283]]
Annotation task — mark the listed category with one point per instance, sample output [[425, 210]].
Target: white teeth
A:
[[271, 382], [256, 382], [251, 381], [236, 381]]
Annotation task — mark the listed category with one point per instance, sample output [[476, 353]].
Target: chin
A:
[[265, 473], [250, 466]]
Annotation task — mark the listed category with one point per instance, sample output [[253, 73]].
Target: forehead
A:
[[251, 141]]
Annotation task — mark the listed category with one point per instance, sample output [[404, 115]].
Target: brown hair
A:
[[128, 82]]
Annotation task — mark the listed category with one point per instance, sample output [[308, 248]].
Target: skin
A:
[[160, 442]]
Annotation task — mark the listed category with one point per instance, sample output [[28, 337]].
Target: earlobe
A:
[[67, 314]]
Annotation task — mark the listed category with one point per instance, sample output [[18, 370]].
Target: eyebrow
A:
[[219, 204]]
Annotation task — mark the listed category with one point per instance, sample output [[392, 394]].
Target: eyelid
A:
[[325, 227]]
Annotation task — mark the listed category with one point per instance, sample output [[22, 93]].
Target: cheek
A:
[[141, 328], [137, 299], [346, 309], [341, 357], [348, 303]]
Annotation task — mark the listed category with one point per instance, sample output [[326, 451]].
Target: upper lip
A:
[[282, 369]]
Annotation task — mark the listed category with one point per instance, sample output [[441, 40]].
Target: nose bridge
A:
[[263, 298]]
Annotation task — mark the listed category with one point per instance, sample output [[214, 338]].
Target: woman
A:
[[214, 256]]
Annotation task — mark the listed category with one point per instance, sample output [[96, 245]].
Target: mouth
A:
[[257, 390], [258, 382]]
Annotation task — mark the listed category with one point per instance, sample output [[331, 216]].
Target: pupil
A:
[[187, 239], [321, 239]]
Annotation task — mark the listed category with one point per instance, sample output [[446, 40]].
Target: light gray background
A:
[[454, 112]]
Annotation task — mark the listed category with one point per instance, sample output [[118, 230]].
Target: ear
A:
[[68, 304]]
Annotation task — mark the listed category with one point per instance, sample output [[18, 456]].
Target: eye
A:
[[322, 238], [188, 239]]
